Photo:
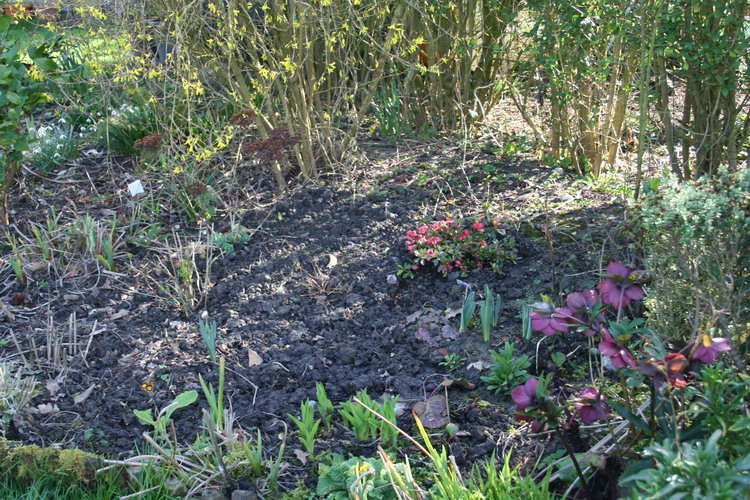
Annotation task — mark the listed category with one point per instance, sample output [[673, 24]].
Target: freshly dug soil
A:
[[308, 300]]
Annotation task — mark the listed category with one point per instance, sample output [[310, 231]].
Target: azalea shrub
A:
[[451, 245], [645, 368]]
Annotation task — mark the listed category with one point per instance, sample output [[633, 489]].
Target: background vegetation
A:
[[190, 89]]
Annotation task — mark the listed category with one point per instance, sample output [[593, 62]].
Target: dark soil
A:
[[309, 295]]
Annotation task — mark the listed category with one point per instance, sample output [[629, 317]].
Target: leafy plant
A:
[[366, 478], [467, 311], [662, 374], [325, 406], [164, 417], [16, 260], [20, 95], [453, 362], [307, 426], [208, 334], [489, 312], [52, 148], [367, 426], [215, 398], [119, 130], [196, 199], [696, 236], [691, 470], [507, 371], [244, 451], [558, 359], [226, 242], [448, 245], [388, 113]]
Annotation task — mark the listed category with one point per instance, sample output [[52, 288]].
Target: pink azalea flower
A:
[[619, 355], [709, 349], [478, 226], [551, 323], [591, 406], [525, 396], [622, 285]]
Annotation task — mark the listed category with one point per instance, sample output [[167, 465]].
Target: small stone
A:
[[176, 488], [244, 495], [354, 299], [213, 494], [347, 354], [392, 279]]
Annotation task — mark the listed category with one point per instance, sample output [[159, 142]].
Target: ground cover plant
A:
[[398, 251]]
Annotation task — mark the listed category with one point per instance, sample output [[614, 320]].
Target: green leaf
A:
[[742, 424], [145, 416], [5, 23], [625, 413], [45, 64], [22, 144], [180, 401], [15, 98]]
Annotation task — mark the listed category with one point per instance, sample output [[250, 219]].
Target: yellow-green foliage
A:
[[235, 455], [28, 462], [314, 67]]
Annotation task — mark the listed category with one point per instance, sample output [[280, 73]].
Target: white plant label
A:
[[135, 188]]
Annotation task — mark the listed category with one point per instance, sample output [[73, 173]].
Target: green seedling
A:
[[215, 398], [467, 311], [273, 473], [254, 455], [453, 362], [42, 242], [325, 407], [357, 417], [16, 262], [107, 255], [367, 426], [307, 426], [164, 417], [526, 322], [208, 333], [507, 371], [489, 312]]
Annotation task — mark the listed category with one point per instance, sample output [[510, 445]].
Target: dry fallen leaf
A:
[[52, 387], [253, 359], [301, 456], [84, 395], [478, 365], [39, 265], [47, 409]]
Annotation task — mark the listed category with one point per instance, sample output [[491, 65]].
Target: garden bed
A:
[[306, 299]]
